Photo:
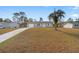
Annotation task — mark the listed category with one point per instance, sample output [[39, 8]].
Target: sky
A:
[[36, 12]]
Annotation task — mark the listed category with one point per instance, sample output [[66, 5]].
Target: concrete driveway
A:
[[8, 35]]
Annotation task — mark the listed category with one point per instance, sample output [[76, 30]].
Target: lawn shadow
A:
[[71, 34]]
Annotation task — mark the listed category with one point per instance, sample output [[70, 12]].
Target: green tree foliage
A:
[[19, 16], [41, 19], [1, 19], [56, 16], [7, 20]]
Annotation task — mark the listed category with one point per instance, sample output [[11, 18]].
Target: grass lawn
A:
[[2, 31], [43, 40]]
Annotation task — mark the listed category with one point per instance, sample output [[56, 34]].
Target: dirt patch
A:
[[43, 40]]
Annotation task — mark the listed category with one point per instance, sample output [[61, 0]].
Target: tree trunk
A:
[[56, 27]]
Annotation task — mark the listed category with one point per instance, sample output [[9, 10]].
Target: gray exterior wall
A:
[[74, 24], [8, 25], [40, 24], [29, 24]]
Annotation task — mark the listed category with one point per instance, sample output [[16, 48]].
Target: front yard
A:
[[2, 31], [43, 40]]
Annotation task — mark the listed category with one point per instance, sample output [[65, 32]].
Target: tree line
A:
[[56, 16]]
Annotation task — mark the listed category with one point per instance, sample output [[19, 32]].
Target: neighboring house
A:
[[23, 24], [74, 24], [35, 24], [13, 25], [9, 25]]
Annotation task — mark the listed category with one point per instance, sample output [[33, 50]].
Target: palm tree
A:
[[41, 19], [60, 15], [56, 16]]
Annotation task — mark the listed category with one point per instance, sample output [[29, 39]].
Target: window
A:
[[76, 24], [48, 24]]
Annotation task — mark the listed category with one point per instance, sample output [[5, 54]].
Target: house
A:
[[35, 24], [9, 25], [38, 24], [74, 24]]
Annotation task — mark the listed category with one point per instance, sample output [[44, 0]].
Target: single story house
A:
[[26, 24], [74, 24], [9, 25], [38, 24]]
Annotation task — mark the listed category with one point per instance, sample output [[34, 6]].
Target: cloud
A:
[[6, 12], [76, 7], [75, 15]]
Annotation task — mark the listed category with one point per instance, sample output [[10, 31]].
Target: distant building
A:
[[35, 24], [9, 25], [74, 24]]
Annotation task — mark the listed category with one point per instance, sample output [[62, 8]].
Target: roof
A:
[[36, 22]]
